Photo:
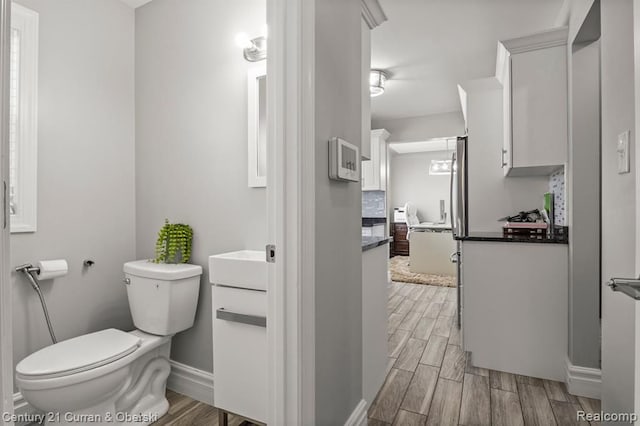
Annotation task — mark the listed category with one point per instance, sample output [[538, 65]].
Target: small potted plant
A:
[[174, 243]]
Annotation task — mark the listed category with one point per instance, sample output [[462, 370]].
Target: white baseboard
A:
[[583, 381], [189, 381], [22, 408], [359, 416]]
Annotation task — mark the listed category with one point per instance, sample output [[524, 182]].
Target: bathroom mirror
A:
[[257, 124]]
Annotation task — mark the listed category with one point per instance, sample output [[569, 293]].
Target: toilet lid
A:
[[79, 354]]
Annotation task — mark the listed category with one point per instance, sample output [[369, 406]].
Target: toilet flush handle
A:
[[127, 281]]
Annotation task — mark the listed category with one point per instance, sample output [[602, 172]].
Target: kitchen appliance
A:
[[458, 198], [458, 190], [399, 215]]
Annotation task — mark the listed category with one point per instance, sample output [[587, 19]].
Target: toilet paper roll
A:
[[52, 269]]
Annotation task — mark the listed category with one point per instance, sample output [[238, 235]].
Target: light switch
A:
[[623, 152]]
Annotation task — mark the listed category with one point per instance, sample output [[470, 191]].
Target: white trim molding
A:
[[372, 13], [583, 381], [359, 415], [23, 410], [291, 211], [6, 298], [541, 40], [192, 382]]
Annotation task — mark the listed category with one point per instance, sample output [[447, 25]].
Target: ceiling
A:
[[429, 46], [135, 3]]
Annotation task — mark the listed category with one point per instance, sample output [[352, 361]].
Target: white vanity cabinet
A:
[[240, 351], [533, 72], [374, 171], [239, 300]]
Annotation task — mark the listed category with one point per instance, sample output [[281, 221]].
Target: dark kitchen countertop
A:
[[370, 221], [369, 243], [559, 238]]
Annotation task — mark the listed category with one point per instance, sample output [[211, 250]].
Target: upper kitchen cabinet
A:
[[533, 72], [374, 171], [372, 17]]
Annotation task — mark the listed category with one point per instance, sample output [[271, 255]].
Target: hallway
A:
[[432, 382]]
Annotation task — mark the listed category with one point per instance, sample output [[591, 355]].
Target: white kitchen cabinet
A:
[[515, 307], [375, 284], [374, 171], [533, 72]]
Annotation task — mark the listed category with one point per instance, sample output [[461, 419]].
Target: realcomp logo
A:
[[606, 417]]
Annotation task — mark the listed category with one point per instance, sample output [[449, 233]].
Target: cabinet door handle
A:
[[504, 163], [241, 318]]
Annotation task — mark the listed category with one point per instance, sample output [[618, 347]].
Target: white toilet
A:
[[112, 376]]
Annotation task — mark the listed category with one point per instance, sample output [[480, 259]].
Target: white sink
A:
[[242, 269]]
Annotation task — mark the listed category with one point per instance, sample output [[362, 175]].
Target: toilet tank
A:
[[162, 297]]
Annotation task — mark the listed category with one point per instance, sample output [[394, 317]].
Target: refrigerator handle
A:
[[451, 213]]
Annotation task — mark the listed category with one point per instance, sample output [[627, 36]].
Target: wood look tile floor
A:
[[431, 380], [184, 411]]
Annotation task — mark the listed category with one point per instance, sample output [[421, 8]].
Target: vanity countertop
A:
[[369, 243]]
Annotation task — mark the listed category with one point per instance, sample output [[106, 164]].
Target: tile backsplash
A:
[[373, 204], [556, 185]]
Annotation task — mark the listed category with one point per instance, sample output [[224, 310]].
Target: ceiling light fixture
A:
[[377, 80], [254, 50], [440, 167]]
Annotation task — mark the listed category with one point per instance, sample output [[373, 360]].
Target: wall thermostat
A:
[[344, 160]]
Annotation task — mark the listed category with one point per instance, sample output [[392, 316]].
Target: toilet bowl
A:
[[112, 376]]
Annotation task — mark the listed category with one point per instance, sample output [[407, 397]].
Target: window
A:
[[23, 119]]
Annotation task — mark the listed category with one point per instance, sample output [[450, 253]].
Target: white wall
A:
[[618, 205], [491, 195], [191, 139], [584, 205], [338, 249], [415, 129], [86, 203], [410, 181]]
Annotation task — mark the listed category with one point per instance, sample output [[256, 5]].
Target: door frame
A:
[[291, 211], [636, 145], [6, 327]]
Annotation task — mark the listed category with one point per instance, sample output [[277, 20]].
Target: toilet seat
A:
[[77, 355]]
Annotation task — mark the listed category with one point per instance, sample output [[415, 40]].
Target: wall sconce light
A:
[[377, 80], [255, 49]]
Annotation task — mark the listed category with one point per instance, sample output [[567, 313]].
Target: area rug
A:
[[399, 267]]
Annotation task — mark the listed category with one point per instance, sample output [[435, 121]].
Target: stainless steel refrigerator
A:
[[459, 213]]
